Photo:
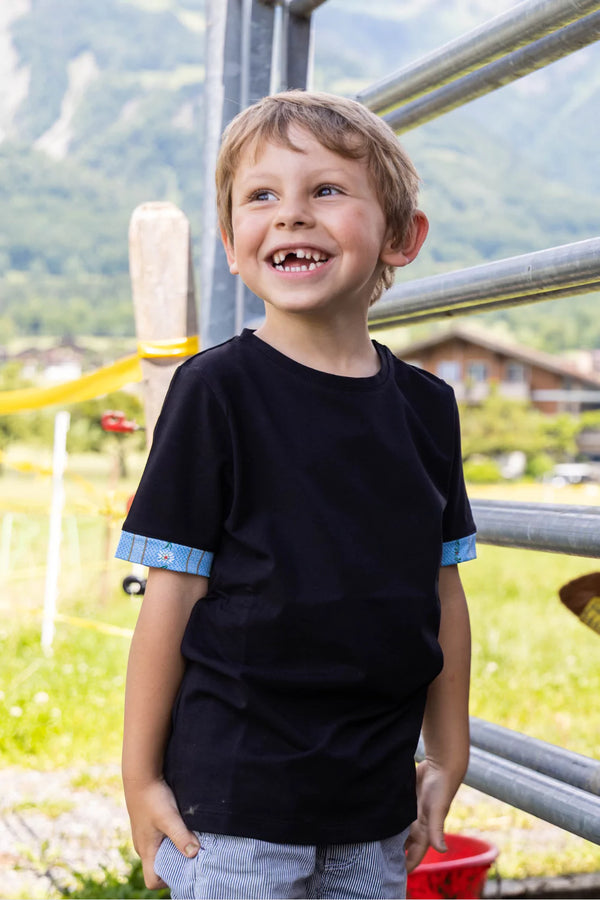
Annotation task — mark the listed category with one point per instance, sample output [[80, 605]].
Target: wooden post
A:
[[162, 281]]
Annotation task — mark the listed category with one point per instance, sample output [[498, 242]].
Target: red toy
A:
[[113, 420]]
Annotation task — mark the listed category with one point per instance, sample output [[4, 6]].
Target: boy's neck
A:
[[338, 348]]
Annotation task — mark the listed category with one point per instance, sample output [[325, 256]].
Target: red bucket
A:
[[461, 872]]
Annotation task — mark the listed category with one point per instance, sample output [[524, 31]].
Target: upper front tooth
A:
[[300, 253]]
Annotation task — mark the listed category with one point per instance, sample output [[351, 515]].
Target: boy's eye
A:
[[327, 190], [262, 195]]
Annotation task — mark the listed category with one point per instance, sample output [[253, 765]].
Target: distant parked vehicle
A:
[[573, 473]]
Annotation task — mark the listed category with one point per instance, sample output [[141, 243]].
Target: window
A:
[[449, 370], [477, 372], [515, 373]]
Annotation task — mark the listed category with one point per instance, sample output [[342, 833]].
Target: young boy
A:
[[302, 512]]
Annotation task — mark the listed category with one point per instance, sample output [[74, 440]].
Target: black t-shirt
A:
[[322, 507]]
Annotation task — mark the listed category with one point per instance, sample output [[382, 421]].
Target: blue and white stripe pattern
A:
[[239, 868], [163, 554], [459, 551]]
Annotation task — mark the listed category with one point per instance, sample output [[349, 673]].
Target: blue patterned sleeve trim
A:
[[163, 554], [459, 551]]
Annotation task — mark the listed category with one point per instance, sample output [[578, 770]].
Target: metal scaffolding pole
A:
[[574, 530], [239, 41], [297, 49], [551, 799], [239, 52], [525, 23], [303, 7], [545, 274], [487, 306], [497, 74], [547, 798], [572, 768]]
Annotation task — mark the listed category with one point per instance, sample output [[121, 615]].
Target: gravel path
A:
[[53, 823], [49, 825]]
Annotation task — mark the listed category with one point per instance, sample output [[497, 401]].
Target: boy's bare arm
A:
[[153, 677], [446, 723]]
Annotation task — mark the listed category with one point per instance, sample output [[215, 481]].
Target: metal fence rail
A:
[[574, 530], [525, 23], [547, 759], [550, 792], [543, 275], [497, 74], [303, 7]]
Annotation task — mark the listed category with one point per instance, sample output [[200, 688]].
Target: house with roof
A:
[[52, 363], [475, 362]]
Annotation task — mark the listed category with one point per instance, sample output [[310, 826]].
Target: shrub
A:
[[482, 470]]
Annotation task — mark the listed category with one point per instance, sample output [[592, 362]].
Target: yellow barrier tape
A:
[[172, 347], [40, 571], [102, 381], [103, 627], [26, 467]]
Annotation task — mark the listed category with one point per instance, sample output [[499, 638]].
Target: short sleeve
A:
[[458, 527], [176, 515]]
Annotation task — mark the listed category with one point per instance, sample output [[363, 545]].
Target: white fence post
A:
[[59, 461]]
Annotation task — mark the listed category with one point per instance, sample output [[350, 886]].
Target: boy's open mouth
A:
[[302, 259]]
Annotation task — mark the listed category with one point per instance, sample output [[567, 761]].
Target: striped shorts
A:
[[230, 867]]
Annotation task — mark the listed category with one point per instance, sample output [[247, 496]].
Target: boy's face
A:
[[309, 233]]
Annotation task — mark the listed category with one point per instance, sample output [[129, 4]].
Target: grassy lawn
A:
[[534, 664]]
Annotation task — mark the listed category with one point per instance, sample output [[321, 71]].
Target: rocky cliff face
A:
[[14, 74]]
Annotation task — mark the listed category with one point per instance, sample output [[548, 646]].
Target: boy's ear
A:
[[394, 255], [230, 253]]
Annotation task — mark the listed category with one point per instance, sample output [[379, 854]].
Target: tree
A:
[[499, 425]]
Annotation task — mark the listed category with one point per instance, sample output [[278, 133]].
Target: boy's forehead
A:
[[297, 139]]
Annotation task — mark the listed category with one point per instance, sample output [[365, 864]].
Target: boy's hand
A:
[[154, 814], [435, 791]]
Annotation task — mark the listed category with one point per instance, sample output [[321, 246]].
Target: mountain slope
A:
[[101, 107]]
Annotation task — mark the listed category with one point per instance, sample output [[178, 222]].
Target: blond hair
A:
[[341, 125]]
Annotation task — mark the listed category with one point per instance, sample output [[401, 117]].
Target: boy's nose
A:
[[293, 214]]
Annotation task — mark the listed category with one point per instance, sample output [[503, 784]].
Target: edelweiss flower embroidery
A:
[[165, 556]]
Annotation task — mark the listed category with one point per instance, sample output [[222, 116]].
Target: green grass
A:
[[65, 707], [112, 885], [534, 664], [535, 669]]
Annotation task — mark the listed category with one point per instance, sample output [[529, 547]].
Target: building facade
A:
[[475, 362]]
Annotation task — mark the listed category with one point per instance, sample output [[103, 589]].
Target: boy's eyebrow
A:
[[319, 174]]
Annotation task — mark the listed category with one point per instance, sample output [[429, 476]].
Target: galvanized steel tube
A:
[[569, 268], [547, 759], [487, 305], [547, 798], [573, 530], [497, 74], [523, 24], [303, 7], [561, 804]]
